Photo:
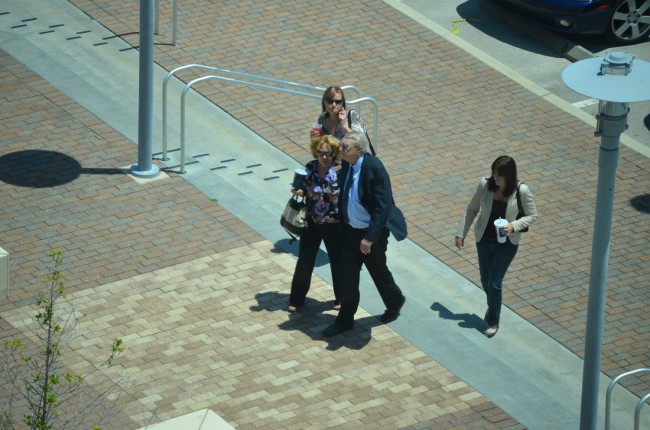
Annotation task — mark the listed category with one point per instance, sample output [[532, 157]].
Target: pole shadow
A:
[[466, 320], [35, 168]]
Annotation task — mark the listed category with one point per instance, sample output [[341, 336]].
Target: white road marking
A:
[[585, 103]]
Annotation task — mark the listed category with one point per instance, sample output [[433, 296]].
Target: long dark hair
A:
[[504, 166]]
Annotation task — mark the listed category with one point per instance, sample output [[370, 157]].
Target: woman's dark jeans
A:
[[494, 258]]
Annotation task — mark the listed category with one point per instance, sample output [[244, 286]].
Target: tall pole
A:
[[145, 107], [612, 122], [615, 82]]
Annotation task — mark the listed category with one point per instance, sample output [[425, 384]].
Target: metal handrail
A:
[[253, 84], [608, 398], [216, 69], [637, 411], [174, 19]]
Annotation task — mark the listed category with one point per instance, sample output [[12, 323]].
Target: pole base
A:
[[151, 173]]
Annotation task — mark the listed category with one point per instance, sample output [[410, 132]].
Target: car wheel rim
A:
[[631, 20]]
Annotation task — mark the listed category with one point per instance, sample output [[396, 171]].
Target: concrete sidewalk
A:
[[529, 374]]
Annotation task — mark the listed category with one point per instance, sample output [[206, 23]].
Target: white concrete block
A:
[[204, 419], [4, 274]]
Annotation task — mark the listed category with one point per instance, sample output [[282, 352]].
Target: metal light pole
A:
[[145, 168], [615, 81]]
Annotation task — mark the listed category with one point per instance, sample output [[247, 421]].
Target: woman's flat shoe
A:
[[491, 331], [292, 308]]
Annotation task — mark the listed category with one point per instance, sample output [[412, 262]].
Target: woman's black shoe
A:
[[491, 331]]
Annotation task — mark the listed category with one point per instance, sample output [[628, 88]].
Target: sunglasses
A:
[[325, 154], [338, 102]]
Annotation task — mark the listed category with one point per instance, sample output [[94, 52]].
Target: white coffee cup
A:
[[298, 178], [499, 225]]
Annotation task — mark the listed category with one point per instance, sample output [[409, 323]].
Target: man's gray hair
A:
[[360, 140]]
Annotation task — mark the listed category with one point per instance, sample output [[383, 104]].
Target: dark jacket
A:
[[376, 196]]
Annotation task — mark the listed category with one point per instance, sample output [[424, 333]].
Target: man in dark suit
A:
[[368, 216]]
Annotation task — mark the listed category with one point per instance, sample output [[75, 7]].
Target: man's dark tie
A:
[[346, 191]]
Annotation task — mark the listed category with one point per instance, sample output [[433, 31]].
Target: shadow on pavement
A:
[[312, 319], [291, 246], [271, 301], [641, 203], [37, 168], [495, 26], [471, 321]]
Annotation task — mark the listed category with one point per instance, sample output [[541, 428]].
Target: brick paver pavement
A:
[[213, 333], [197, 296], [444, 117]]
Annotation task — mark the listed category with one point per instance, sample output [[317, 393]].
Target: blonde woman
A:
[[321, 191]]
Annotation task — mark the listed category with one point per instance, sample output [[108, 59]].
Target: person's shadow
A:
[[312, 319], [292, 246], [466, 320]]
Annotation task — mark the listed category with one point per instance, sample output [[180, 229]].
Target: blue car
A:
[[623, 22]]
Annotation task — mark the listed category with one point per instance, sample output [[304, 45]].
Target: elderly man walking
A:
[[369, 215]]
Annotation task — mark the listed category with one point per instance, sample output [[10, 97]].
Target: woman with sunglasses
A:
[[336, 120], [321, 191]]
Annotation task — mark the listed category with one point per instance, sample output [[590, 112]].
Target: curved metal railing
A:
[[315, 94], [639, 405]]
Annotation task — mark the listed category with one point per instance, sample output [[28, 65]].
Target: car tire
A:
[[630, 22]]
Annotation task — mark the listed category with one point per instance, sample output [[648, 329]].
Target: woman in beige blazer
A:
[[496, 197]]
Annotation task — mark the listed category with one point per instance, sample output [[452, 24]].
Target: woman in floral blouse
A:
[[321, 191]]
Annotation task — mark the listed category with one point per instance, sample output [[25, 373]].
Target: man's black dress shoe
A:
[[335, 329], [391, 314]]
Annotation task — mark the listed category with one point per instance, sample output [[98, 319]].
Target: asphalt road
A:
[[529, 57]]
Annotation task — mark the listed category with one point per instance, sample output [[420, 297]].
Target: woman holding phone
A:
[[336, 119]]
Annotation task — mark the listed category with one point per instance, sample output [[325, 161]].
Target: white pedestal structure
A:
[[4, 274]]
